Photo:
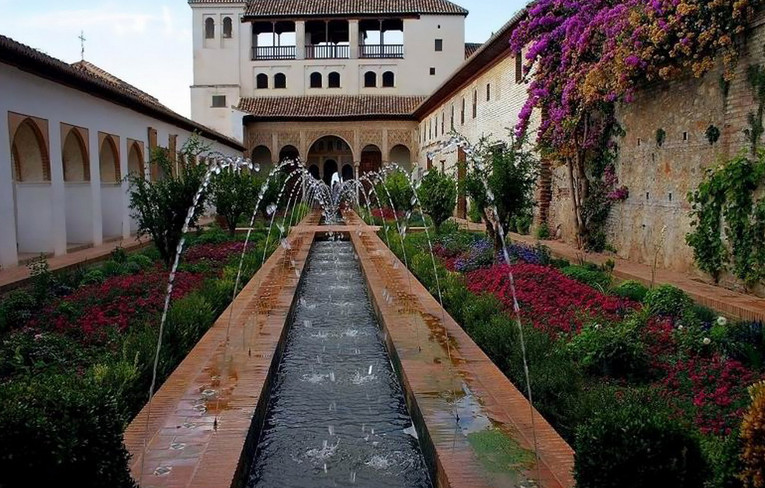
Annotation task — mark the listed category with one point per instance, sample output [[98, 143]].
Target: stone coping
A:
[[441, 367]]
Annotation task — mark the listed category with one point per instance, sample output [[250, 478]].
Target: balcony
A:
[[331, 51], [271, 53], [381, 51]]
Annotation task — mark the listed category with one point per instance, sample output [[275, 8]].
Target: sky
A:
[[147, 43]]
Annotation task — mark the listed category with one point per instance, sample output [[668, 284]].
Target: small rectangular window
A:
[[462, 113], [439, 45], [475, 103], [432, 71], [219, 101], [518, 68], [488, 92]]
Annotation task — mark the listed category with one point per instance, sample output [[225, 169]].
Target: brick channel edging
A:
[[201, 419], [415, 323]]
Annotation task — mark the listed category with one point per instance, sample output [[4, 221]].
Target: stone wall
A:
[[660, 177]]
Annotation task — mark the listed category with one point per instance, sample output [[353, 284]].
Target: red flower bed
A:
[[553, 302], [714, 388], [117, 302], [215, 253]]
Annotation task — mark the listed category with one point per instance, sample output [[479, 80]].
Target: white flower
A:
[[680, 327], [707, 341], [722, 321], [597, 327]]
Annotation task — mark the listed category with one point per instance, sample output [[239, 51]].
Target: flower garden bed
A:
[[77, 350], [649, 388]]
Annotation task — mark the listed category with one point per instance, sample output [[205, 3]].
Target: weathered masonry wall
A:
[[660, 177]]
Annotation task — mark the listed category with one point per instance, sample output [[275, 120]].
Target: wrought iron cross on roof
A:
[[82, 44]]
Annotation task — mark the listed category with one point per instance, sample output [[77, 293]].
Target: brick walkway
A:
[[199, 429], [727, 302]]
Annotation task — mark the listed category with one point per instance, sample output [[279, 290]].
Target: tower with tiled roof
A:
[[380, 53]]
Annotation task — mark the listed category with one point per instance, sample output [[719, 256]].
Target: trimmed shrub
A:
[[614, 350], [633, 441], [141, 260], [632, 290], [592, 277], [667, 300], [93, 277], [438, 195], [113, 268], [16, 309], [58, 429]]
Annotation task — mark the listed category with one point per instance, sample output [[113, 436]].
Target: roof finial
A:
[[82, 44]]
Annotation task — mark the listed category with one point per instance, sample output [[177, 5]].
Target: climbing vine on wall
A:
[[724, 205], [588, 55]]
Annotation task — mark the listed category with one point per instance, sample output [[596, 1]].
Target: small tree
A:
[[400, 191], [271, 196], [438, 195], [234, 193], [510, 172], [160, 206]]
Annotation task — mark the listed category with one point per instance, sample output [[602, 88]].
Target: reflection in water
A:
[[337, 415]]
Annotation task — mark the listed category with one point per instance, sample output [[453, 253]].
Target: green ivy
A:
[[724, 204]]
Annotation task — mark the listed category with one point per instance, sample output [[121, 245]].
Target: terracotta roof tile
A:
[[91, 79], [471, 48], [331, 107], [292, 8]]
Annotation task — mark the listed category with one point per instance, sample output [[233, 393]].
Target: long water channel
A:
[[337, 415]]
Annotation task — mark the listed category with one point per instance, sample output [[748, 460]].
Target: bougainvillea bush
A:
[[592, 350]]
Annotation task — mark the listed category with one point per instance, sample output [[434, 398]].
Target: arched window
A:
[[109, 161], [74, 158], [333, 80], [316, 80], [370, 79], [261, 81], [29, 154], [280, 80], [228, 28], [209, 28], [389, 79]]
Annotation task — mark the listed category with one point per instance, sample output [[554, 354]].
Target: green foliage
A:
[[438, 196], [474, 213], [543, 232], [667, 300], [595, 278], [721, 455], [661, 136], [614, 350], [712, 134], [61, 429], [234, 193], [119, 255], [113, 268], [635, 441], [448, 227], [499, 453], [510, 172], [726, 196], [160, 207], [93, 277], [16, 309], [42, 278], [143, 261], [400, 191], [632, 290]]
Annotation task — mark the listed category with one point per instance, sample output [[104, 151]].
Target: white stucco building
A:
[[297, 48], [69, 134]]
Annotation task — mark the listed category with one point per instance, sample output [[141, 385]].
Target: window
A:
[[488, 92], [370, 79], [333, 80], [475, 103], [432, 71], [219, 101], [228, 28], [439, 45], [452, 119], [261, 81], [518, 68], [462, 113], [209, 28], [443, 123], [280, 80], [389, 79], [316, 80]]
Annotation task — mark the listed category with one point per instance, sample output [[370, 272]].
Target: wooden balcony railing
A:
[[381, 51], [331, 51], [273, 52]]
